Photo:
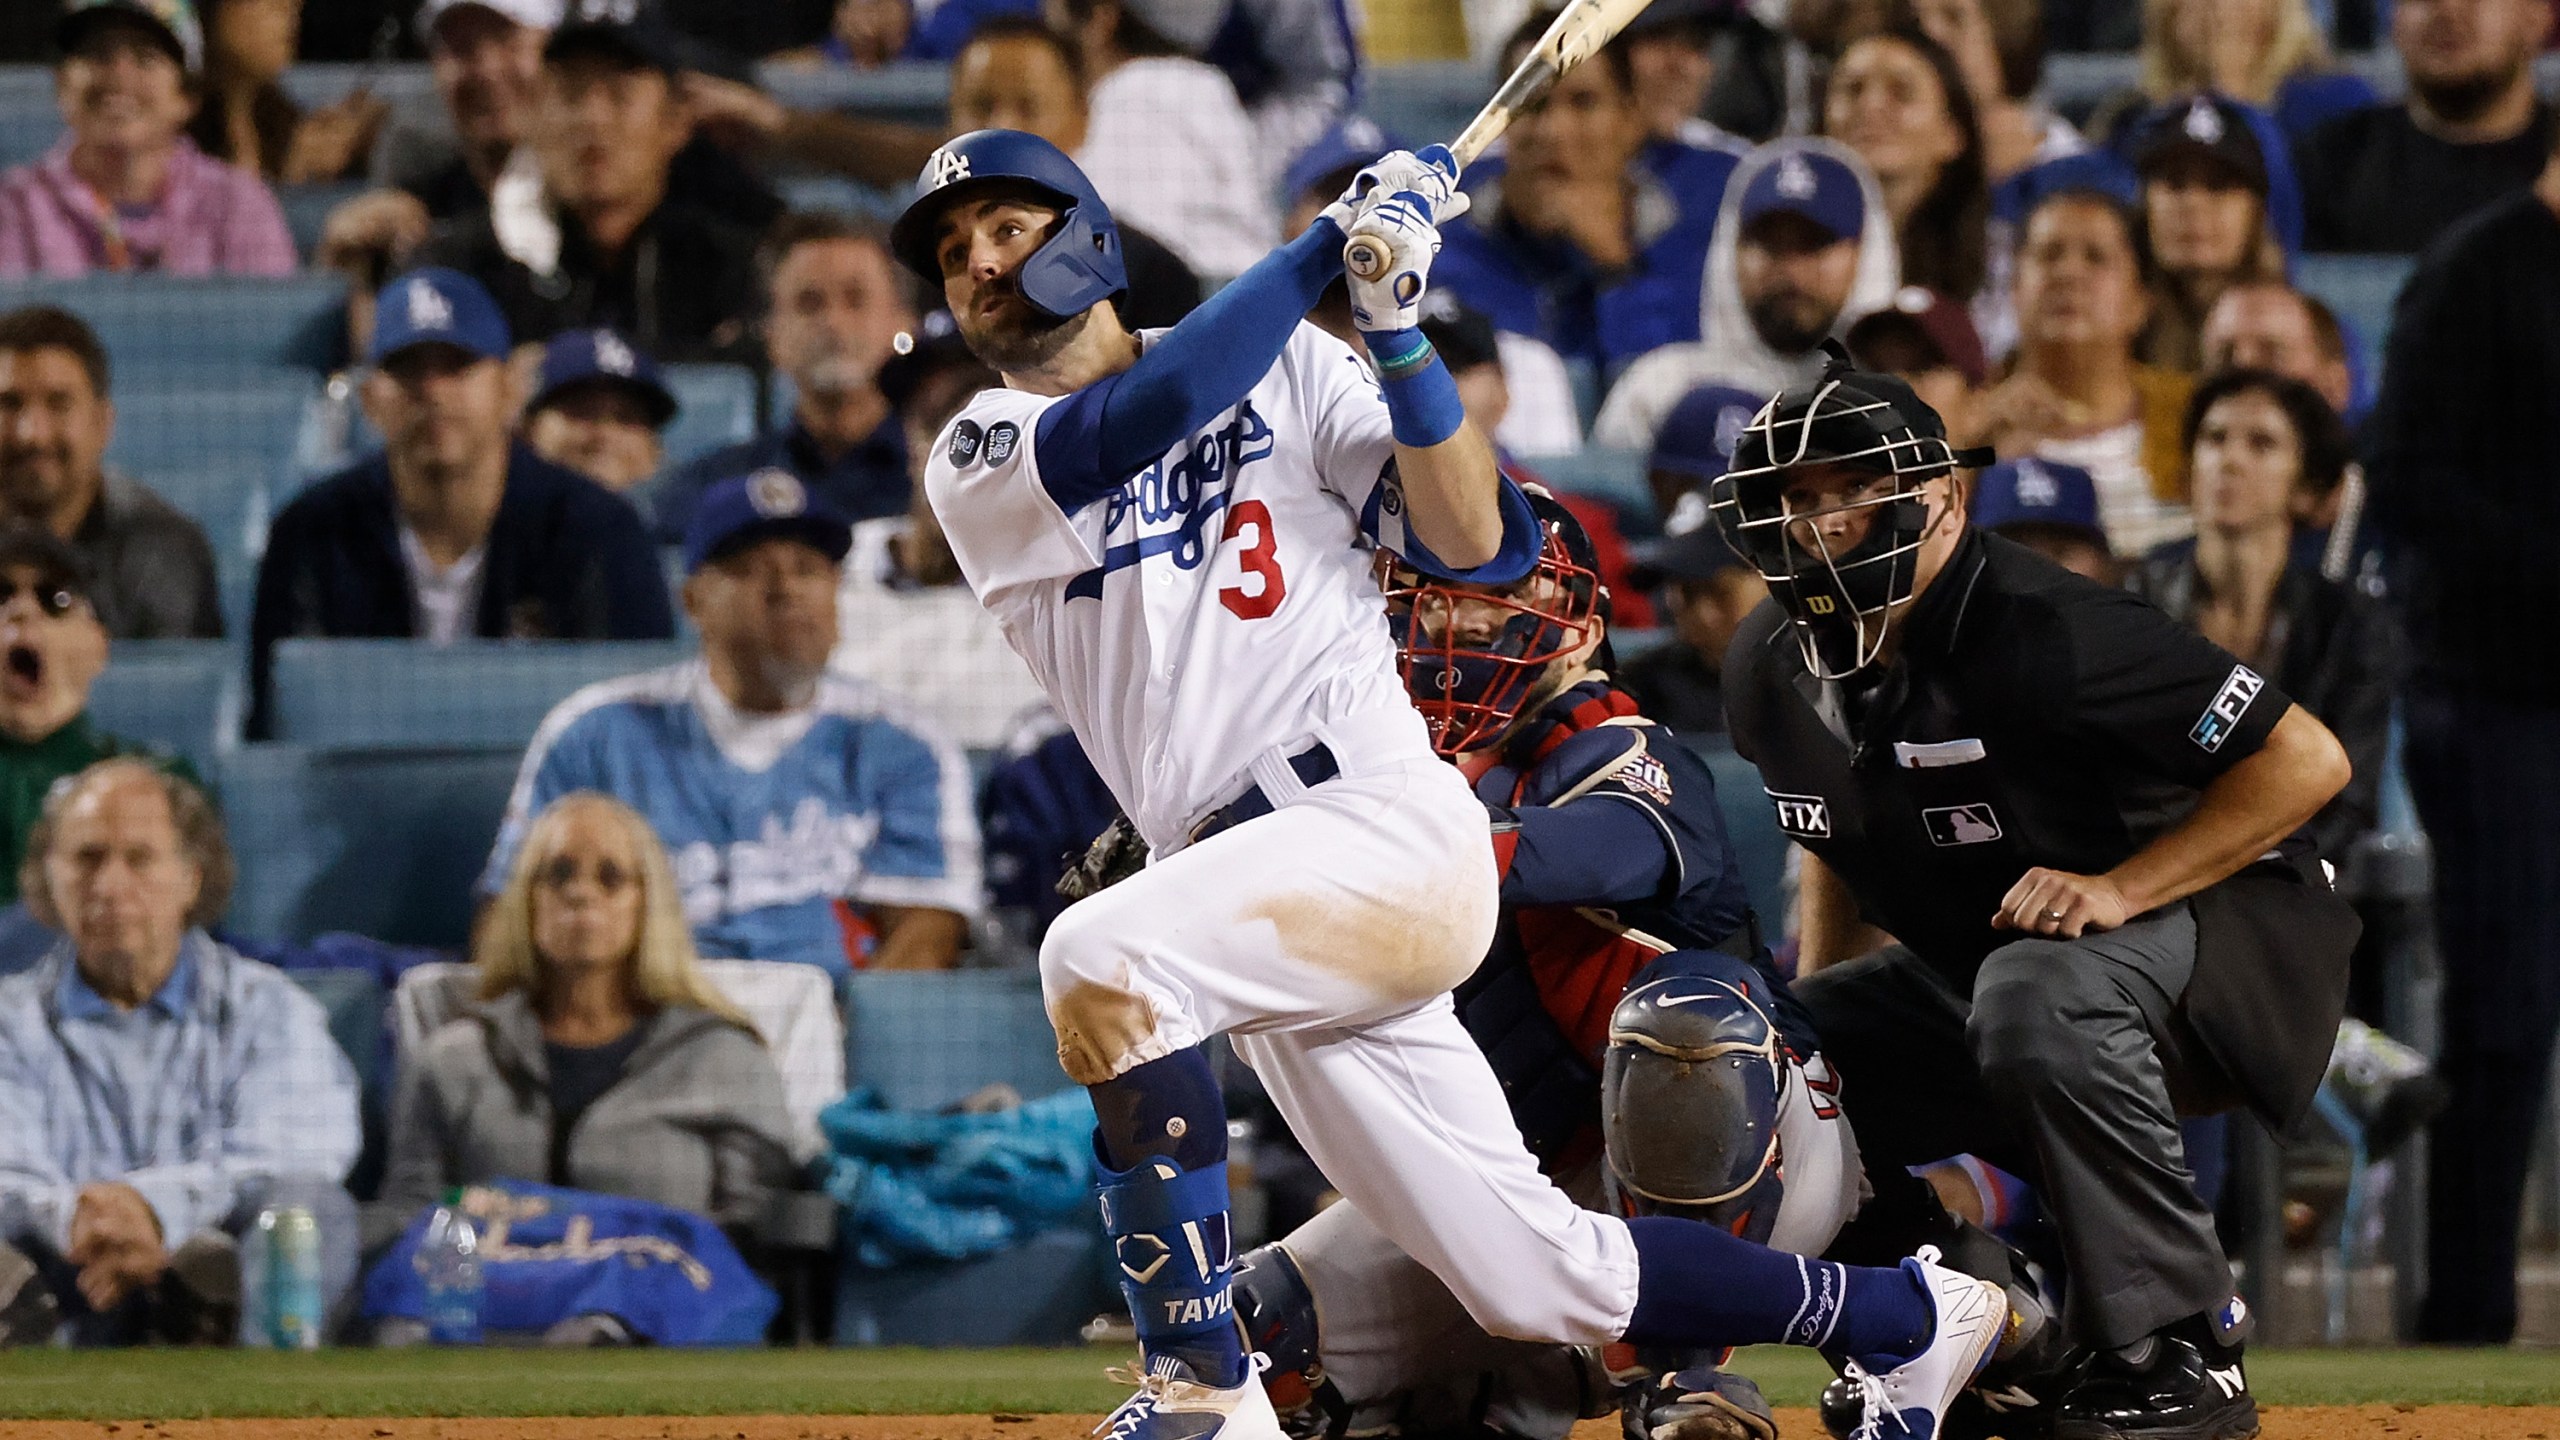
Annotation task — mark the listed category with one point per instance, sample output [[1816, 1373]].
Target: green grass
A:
[[192, 1384]]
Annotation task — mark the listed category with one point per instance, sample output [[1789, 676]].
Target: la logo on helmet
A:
[[946, 167]]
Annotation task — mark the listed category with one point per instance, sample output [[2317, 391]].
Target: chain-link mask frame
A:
[[1470, 691]]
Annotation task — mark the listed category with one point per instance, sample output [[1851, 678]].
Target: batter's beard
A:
[[1014, 346]]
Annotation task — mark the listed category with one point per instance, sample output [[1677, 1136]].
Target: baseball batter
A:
[[1176, 531]]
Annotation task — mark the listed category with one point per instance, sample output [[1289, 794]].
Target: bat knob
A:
[[1365, 257]]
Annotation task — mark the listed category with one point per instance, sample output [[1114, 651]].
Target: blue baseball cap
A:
[[578, 357], [1351, 142], [1696, 438], [2037, 492], [1818, 186], [767, 503], [437, 306]]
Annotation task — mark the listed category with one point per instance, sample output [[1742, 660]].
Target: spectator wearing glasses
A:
[[599, 1056], [453, 530], [156, 1089], [52, 649], [599, 407], [125, 189], [151, 567], [808, 818]]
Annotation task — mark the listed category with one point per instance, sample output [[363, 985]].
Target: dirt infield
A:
[[2285, 1422]]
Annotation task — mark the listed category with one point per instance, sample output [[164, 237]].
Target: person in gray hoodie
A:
[[1803, 247], [599, 1056]]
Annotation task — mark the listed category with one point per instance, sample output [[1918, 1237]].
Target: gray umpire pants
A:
[[2067, 1065]]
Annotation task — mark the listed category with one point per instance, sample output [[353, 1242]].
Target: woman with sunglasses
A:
[[599, 1056]]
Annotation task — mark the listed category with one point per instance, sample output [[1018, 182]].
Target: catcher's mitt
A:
[[1115, 855]]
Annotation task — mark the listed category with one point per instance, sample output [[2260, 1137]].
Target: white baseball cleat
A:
[[1907, 1401], [1172, 1405]]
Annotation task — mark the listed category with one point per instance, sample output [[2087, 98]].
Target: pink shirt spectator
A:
[[214, 219]]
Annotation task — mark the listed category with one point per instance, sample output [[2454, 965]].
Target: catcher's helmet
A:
[[1077, 268], [1472, 655], [1840, 599]]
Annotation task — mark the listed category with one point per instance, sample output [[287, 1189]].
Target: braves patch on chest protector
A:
[[965, 438], [2230, 703], [1807, 817], [1961, 825]]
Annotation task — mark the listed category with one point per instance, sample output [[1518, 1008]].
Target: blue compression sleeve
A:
[[1090, 443], [1596, 851]]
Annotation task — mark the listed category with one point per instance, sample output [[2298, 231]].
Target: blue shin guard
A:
[[1169, 1233]]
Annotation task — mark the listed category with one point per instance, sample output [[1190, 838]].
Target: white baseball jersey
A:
[[1220, 606]]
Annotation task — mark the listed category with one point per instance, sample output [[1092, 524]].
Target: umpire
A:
[[2077, 819]]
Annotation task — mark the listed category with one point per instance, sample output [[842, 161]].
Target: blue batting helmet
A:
[[1077, 268]]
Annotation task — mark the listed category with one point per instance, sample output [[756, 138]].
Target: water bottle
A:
[[449, 1260]]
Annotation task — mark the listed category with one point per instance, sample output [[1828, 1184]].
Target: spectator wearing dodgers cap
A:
[[2219, 209], [1802, 247], [453, 530], [598, 407], [810, 817], [2052, 509]]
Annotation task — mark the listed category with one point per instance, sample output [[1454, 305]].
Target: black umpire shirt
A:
[[2030, 718]]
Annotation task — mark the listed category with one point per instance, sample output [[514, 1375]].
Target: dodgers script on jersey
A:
[[1220, 604]]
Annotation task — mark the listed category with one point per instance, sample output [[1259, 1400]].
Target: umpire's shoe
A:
[[2181, 1382], [1703, 1403], [1173, 1403]]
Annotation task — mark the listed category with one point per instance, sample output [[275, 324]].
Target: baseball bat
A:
[[1577, 33]]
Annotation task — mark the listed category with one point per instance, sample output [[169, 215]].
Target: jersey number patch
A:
[[1260, 559]]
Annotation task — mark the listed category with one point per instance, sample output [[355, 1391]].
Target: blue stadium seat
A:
[[2361, 289], [716, 407], [182, 696], [158, 322], [1616, 476], [1759, 846], [924, 1039], [354, 1000], [237, 422], [307, 207], [383, 843], [29, 123], [357, 693]]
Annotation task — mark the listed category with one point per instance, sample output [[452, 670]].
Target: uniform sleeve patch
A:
[[2222, 717], [1646, 776], [965, 440]]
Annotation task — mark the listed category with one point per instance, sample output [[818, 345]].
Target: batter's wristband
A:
[[1398, 352], [1422, 405]]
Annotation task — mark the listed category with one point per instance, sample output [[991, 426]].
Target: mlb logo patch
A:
[[1001, 438], [1951, 825], [1807, 817], [2229, 703], [965, 439]]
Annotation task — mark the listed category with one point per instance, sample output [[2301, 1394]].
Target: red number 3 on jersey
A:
[[1260, 559]]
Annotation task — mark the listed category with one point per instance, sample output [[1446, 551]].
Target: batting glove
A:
[[1430, 177], [1393, 301]]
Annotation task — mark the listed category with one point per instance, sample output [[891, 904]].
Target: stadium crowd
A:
[[848, 768]]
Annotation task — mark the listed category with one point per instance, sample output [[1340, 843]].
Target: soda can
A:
[[280, 1289]]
